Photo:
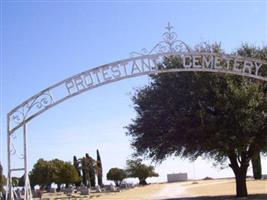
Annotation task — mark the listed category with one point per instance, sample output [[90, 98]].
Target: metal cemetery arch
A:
[[138, 64]]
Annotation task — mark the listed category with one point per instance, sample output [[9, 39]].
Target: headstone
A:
[[68, 190], [78, 188], [52, 190], [98, 189], [85, 191], [36, 193], [112, 188], [124, 186]]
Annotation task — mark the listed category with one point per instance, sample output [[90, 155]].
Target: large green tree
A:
[[44, 173], [41, 174], [117, 175], [136, 169], [191, 114], [255, 52], [68, 174]]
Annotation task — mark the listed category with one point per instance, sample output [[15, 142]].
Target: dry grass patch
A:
[[224, 187]]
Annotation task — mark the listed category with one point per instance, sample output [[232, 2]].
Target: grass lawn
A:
[[202, 190]]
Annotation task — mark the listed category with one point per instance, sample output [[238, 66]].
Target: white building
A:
[[177, 177]]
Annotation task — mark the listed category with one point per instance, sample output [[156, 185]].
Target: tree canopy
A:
[[136, 169], [44, 173], [191, 114], [117, 175]]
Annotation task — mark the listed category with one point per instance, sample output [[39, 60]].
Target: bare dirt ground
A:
[[202, 190]]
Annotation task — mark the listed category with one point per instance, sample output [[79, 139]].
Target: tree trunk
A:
[[142, 181], [117, 183], [256, 165], [99, 179], [92, 177], [84, 178], [240, 171], [241, 185]]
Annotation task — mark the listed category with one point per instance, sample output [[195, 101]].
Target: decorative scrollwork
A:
[[13, 150], [40, 102], [169, 44], [35, 104], [21, 156], [17, 117], [14, 136]]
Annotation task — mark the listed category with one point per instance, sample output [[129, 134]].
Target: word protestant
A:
[[149, 64], [110, 72]]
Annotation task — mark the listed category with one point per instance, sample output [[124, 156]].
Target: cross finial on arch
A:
[[169, 27]]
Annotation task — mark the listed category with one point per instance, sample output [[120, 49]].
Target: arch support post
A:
[[27, 186], [10, 193]]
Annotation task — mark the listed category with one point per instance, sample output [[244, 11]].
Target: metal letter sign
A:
[[140, 63]]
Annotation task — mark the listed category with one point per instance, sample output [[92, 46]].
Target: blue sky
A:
[[44, 42]]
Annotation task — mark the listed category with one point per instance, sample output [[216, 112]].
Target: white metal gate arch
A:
[[144, 63]]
